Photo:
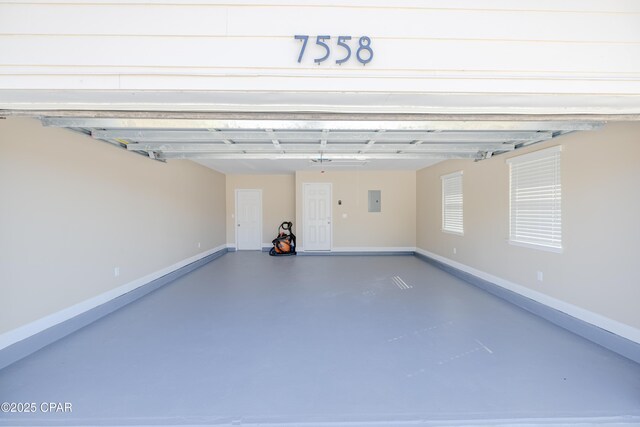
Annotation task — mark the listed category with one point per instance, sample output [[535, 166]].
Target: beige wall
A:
[[393, 227], [278, 202], [597, 270], [72, 209]]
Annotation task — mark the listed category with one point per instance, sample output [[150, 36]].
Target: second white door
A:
[[317, 217], [248, 219]]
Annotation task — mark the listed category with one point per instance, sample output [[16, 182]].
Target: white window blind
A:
[[535, 199], [452, 220]]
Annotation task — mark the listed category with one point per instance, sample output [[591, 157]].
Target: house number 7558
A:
[[364, 52]]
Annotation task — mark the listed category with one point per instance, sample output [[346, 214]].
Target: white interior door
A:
[[249, 219], [317, 217]]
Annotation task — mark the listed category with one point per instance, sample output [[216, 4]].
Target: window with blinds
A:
[[452, 221], [535, 199]]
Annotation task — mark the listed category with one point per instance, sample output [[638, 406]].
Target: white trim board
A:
[[598, 320], [23, 332]]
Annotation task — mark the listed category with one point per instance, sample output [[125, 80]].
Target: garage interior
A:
[[391, 330], [462, 178]]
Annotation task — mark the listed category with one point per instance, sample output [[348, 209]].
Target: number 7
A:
[[304, 39]]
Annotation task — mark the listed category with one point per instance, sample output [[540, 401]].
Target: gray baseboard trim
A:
[[602, 337], [35, 342], [355, 253]]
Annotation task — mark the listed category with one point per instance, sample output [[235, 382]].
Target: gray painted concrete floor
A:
[[250, 338]]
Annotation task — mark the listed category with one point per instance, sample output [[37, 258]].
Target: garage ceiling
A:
[[277, 145]]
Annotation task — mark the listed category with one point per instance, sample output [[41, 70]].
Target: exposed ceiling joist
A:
[[336, 148], [376, 137], [315, 156], [209, 131], [309, 115], [443, 125], [323, 135], [324, 138], [273, 137], [318, 140]]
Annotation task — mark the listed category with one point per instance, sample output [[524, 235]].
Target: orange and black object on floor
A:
[[285, 243]]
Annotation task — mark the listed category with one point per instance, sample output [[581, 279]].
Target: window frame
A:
[[443, 179], [546, 153]]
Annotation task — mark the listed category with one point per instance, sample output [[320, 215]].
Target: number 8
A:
[[365, 44]]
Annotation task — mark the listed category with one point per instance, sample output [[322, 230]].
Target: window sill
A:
[[457, 233], [534, 246]]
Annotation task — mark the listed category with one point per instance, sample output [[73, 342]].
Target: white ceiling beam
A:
[[312, 148], [215, 133], [324, 137], [273, 138], [372, 141], [410, 125], [313, 156], [243, 136], [321, 115]]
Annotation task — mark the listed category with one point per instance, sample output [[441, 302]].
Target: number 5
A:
[[341, 42], [320, 41]]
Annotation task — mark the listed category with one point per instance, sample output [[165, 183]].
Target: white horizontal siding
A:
[[393, 89], [280, 21], [392, 56], [567, 47], [125, 19], [595, 6]]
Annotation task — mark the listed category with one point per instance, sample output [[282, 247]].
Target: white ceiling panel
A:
[[259, 143]]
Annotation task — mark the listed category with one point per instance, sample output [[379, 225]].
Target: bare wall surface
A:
[[597, 269], [278, 202], [353, 225], [72, 209]]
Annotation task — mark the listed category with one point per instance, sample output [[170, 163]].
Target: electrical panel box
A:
[[375, 201]]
